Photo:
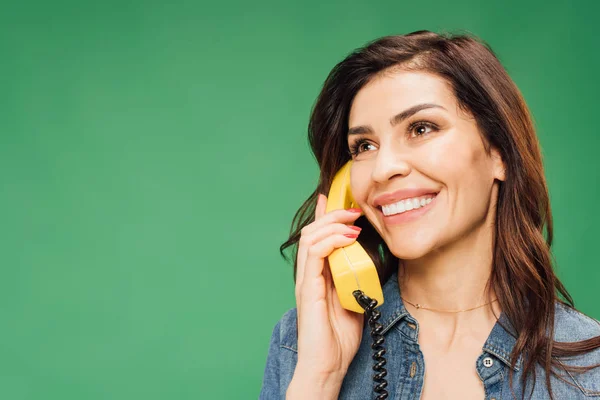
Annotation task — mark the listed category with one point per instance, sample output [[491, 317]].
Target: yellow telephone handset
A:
[[351, 266]]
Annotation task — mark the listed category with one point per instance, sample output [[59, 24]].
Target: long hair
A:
[[522, 272]]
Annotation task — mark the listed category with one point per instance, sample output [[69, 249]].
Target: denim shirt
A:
[[406, 367]]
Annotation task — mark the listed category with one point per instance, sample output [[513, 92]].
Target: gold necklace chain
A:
[[420, 307]]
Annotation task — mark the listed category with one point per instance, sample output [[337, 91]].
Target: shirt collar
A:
[[500, 342]]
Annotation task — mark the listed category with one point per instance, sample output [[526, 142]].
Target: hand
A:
[[328, 335]]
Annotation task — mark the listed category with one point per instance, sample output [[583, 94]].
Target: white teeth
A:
[[394, 208], [406, 205], [400, 207]]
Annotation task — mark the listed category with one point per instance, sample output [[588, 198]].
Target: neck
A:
[[451, 278]]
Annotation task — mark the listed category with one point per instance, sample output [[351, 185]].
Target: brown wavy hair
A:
[[522, 272]]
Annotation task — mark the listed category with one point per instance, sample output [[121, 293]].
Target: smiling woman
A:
[[455, 213], [434, 148]]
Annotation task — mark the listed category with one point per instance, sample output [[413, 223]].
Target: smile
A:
[[406, 205]]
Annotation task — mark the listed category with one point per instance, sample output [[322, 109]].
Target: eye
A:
[[421, 128], [360, 146]]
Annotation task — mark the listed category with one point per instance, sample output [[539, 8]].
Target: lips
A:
[[393, 197]]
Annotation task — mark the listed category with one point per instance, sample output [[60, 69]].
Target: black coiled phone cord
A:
[[379, 381]]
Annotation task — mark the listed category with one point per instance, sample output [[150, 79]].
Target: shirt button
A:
[[413, 369], [488, 362]]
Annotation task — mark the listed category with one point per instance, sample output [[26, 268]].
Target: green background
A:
[[152, 156]]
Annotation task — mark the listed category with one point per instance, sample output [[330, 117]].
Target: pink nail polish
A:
[[355, 210], [351, 235], [356, 228]]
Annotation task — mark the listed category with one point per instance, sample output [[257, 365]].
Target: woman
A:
[[454, 207]]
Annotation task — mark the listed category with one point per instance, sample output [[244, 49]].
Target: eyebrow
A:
[[395, 120]]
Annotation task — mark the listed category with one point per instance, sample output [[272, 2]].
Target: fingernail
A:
[[354, 210], [356, 228], [351, 235]]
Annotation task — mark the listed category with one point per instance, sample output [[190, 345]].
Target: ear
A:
[[498, 165]]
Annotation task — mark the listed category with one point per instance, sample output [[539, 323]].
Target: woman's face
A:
[[412, 143]]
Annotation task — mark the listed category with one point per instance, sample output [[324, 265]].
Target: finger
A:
[[325, 231], [321, 206], [317, 252], [320, 215], [317, 277], [344, 216], [321, 219], [301, 256], [308, 240]]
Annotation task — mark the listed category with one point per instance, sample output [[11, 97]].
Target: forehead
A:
[[393, 92]]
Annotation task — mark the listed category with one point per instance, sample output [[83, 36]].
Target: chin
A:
[[410, 250]]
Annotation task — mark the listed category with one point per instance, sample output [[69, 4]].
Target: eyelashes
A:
[[425, 124], [355, 147], [358, 145]]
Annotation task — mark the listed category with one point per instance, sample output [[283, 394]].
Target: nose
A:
[[389, 163]]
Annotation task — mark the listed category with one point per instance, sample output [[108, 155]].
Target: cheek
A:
[[468, 177], [472, 169], [443, 161], [359, 182], [453, 162], [461, 168]]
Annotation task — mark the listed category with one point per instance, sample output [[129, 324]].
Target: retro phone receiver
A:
[[351, 267]]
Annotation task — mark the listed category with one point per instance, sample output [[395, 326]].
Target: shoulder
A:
[[571, 325], [286, 330], [281, 359]]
